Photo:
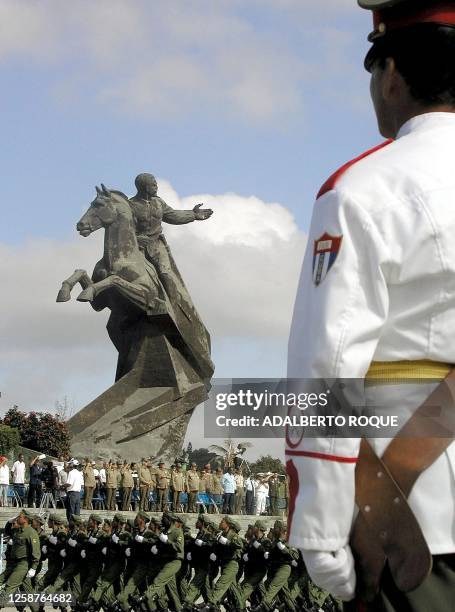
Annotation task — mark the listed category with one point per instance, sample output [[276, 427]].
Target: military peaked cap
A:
[[389, 15]]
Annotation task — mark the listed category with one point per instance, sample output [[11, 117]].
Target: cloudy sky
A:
[[246, 105]]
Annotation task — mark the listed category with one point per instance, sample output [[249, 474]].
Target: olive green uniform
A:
[[192, 485], [91, 564], [139, 553], [169, 556], [278, 573], [255, 567], [199, 558], [113, 551], [227, 556], [68, 578], [24, 555]]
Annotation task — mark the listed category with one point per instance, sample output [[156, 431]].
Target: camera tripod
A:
[[47, 499]]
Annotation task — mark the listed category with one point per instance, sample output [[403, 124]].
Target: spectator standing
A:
[[262, 493], [239, 491], [178, 486], [162, 486], [229, 486], [74, 484], [217, 489], [145, 482], [49, 477], [192, 486], [273, 494], [62, 478], [250, 494], [127, 484], [18, 471], [206, 480], [111, 485], [89, 484], [4, 481], [102, 477], [283, 492], [35, 483]]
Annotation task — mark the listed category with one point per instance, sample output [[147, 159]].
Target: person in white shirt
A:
[[250, 494], [4, 481], [73, 486], [18, 471], [262, 493], [376, 301]]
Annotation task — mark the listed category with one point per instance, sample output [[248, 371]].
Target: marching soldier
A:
[[197, 553], [226, 552], [279, 558], [255, 563], [51, 547], [108, 585], [68, 577], [140, 553], [91, 557], [169, 552], [375, 302], [23, 557]]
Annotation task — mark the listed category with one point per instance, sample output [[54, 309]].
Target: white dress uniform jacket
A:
[[385, 291]]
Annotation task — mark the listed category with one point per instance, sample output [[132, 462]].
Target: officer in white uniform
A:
[[376, 297]]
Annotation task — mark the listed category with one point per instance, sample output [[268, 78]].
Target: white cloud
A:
[[241, 268], [171, 59]]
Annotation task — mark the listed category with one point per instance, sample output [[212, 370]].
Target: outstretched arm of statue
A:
[[180, 217]]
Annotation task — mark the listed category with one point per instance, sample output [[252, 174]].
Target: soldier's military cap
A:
[[108, 521], [143, 515], [58, 520], [279, 524], [96, 517], [203, 518], [28, 514], [232, 523], [77, 520], [155, 521], [38, 518], [176, 517], [120, 518], [389, 15], [130, 522], [260, 525], [211, 523]]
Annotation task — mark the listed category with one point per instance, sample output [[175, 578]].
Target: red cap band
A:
[[442, 13]]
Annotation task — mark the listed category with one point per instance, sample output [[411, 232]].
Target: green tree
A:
[[267, 463], [9, 439], [40, 431]]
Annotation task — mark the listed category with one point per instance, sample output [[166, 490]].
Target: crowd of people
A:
[[120, 485], [147, 564]]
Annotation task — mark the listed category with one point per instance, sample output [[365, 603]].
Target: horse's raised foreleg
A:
[[133, 292], [78, 276]]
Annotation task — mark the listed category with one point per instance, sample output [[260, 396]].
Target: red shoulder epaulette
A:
[[332, 180]]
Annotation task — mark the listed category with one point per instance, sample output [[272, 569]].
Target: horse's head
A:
[[103, 211]]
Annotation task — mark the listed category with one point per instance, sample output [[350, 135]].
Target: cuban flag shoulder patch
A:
[[326, 249]]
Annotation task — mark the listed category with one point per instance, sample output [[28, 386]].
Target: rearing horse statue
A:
[[123, 267], [164, 366]]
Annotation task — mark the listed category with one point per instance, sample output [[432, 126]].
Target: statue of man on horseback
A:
[[161, 340]]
